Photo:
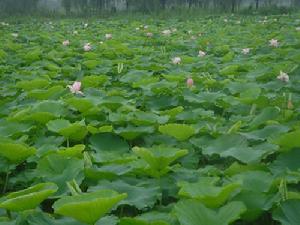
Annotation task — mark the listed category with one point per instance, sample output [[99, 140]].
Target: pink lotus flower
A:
[[176, 60], [246, 51], [201, 54], [108, 36], [75, 88], [166, 32], [87, 47], [190, 82], [274, 43], [149, 34], [283, 77], [66, 43]]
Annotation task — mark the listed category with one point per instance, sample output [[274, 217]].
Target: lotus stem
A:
[[68, 143], [8, 214], [6, 182]]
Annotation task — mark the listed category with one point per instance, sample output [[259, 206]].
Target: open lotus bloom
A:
[[274, 43], [75, 88], [87, 47], [225, 20], [15, 35], [201, 53], [166, 32], [176, 60], [149, 34], [246, 51], [283, 77], [190, 82], [146, 27], [85, 25], [66, 42], [108, 36]]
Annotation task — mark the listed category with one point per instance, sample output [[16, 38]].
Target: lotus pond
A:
[[150, 122]]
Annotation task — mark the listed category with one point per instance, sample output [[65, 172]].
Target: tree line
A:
[[98, 6]]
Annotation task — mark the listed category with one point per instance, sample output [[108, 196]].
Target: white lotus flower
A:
[[274, 43], [283, 77], [201, 53], [246, 51], [166, 32], [176, 60]]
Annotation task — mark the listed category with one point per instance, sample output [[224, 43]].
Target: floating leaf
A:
[[88, 207], [179, 131], [28, 198]]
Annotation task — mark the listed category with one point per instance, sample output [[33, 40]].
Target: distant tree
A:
[[67, 6]]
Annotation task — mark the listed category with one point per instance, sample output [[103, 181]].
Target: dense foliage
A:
[[155, 122], [98, 7]]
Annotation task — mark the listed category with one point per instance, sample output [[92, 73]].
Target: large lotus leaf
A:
[[136, 221], [16, 152], [207, 192], [28, 198], [94, 81], [81, 104], [139, 195], [179, 131], [75, 131], [146, 118], [107, 171], [32, 84], [108, 142], [75, 151], [131, 133], [159, 157], [288, 212], [51, 93], [193, 212], [256, 202], [258, 181], [236, 146], [88, 207], [113, 102], [289, 140], [60, 169], [10, 128], [285, 162], [269, 113], [270, 132]]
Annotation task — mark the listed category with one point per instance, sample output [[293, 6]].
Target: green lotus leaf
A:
[[179, 131], [141, 195], [131, 133], [94, 81], [53, 92], [159, 158], [289, 140], [207, 192], [137, 221], [28, 198], [81, 104], [88, 207], [16, 152], [75, 131], [75, 151], [33, 84], [60, 169], [288, 212], [193, 212], [108, 142]]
